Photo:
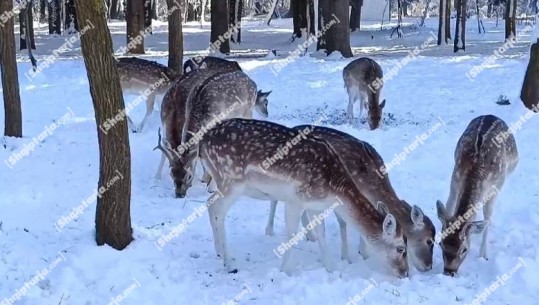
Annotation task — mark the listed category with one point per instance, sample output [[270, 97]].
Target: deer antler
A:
[[165, 151]]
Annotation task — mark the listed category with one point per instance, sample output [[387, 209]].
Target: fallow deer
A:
[[311, 176], [146, 78], [363, 80], [209, 62], [366, 168], [485, 155], [195, 104]]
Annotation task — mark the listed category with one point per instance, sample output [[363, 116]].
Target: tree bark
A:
[[510, 18], [175, 37], [460, 26], [55, 18], [114, 9], [148, 16], [135, 26], [444, 25], [113, 219], [10, 75], [530, 87], [219, 25], [335, 27], [25, 37], [42, 10], [355, 15], [235, 7], [71, 24]]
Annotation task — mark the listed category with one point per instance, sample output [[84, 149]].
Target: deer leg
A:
[[320, 234], [350, 110], [292, 215], [344, 239], [206, 177], [487, 213], [149, 111], [305, 219], [271, 218], [218, 207], [363, 248]]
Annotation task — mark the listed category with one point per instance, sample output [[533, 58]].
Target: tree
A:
[[71, 24], [460, 26], [113, 219], [219, 25], [55, 19], [355, 15], [135, 26], [148, 16], [530, 87], [26, 15], [175, 37], [300, 18], [444, 23], [114, 9], [510, 19], [10, 76], [335, 27], [235, 10]]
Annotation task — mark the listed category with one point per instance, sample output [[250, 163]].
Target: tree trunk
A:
[[448, 20], [530, 87], [135, 26], [444, 25], [460, 26], [42, 10], [335, 27], [355, 15], [154, 9], [10, 75], [71, 24], [55, 18], [203, 11], [405, 8], [148, 16], [425, 13], [489, 9], [114, 9], [175, 37], [299, 20], [510, 19], [113, 219], [235, 19], [25, 11], [219, 25]]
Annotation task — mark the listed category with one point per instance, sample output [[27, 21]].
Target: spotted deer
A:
[[195, 104], [145, 78], [363, 80], [311, 176], [485, 155], [211, 62], [366, 168]]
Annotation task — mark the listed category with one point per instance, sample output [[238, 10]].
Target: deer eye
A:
[[430, 243], [401, 250], [463, 251]]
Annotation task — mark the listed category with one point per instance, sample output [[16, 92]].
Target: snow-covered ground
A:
[[43, 263]]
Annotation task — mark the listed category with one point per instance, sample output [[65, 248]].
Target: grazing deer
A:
[[209, 62], [365, 166], [146, 78], [486, 153], [310, 176], [363, 80], [195, 104]]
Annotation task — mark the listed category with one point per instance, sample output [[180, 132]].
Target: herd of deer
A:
[[206, 114]]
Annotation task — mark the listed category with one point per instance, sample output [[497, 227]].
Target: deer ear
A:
[[441, 211], [267, 93], [417, 216], [475, 227], [390, 225], [382, 104], [382, 208]]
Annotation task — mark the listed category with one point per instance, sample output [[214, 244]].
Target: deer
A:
[[212, 62], [485, 155], [195, 104], [363, 80], [146, 78], [367, 170], [310, 176]]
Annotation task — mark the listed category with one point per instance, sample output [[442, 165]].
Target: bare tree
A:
[[460, 26], [444, 24], [355, 15], [219, 25], [175, 37], [55, 17], [113, 219], [135, 26], [530, 87], [510, 18], [335, 26], [10, 76], [71, 24]]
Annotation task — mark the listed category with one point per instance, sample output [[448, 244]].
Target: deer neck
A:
[[470, 196]]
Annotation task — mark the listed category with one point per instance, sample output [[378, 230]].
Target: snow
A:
[[47, 263]]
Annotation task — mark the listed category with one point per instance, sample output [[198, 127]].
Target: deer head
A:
[[420, 239], [261, 104], [392, 242], [375, 111], [181, 166], [456, 238]]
